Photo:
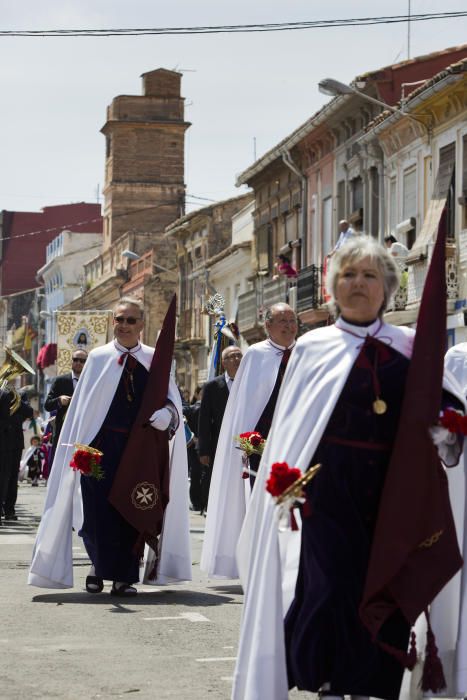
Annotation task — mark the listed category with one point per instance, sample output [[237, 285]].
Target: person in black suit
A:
[[195, 468], [5, 402], [14, 446], [61, 391], [213, 403]]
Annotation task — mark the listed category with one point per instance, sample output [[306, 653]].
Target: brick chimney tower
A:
[[144, 168]]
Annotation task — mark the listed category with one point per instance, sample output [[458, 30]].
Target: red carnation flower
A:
[[281, 477], [453, 421], [256, 439], [245, 436], [81, 461], [87, 463]]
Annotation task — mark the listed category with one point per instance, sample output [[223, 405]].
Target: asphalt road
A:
[[170, 642]]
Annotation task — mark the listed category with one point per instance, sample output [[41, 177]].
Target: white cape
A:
[[267, 559], [449, 610], [228, 493], [52, 560]]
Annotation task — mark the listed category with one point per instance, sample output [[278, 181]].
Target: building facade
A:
[[425, 155], [25, 235], [200, 237], [338, 173], [62, 275]]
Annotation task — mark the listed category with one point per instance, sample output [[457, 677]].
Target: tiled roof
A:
[[455, 68]]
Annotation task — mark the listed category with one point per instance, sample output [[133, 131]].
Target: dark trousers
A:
[[108, 538], [195, 469], [10, 485], [205, 483]]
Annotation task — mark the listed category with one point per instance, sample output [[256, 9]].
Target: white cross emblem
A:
[[144, 496]]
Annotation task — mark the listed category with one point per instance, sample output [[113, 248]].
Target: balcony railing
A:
[[190, 325], [247, 310], [274, 292], [252, 305], [310, 292]]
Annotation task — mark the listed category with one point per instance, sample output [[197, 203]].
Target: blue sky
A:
[[237, 87]]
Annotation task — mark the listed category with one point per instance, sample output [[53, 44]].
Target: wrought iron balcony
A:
[[248, 311], [190, 326], [275, 292], [310, 292]]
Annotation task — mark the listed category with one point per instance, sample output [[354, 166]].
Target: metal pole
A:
[[408, 30]]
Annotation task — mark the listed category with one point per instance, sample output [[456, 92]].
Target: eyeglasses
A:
[[131, 320], [81, 360], [284, 321]]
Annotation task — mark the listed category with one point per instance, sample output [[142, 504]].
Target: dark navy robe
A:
[[108, 538], [325, 640]]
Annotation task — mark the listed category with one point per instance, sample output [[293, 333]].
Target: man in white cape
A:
[[449, 609], [268, 558], [52, 560], [253, 386]]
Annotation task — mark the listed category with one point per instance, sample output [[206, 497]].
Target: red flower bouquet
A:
[[286, 485], [87, 460], [455, 422], [281, 477], [251, 443]]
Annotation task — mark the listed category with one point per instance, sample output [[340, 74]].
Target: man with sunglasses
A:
[[102, 415], [59, 397]]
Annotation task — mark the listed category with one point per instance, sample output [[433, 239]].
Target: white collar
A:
[[74, 376], [281, 347], [122, 348], [361, 331]]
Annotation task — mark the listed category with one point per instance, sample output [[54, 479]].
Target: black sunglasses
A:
[[131, 320], [82, 360]]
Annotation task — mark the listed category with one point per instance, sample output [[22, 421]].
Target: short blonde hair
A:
[[353, 251]]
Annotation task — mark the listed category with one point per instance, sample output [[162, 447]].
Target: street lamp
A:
[[131, 255], [334, 88]]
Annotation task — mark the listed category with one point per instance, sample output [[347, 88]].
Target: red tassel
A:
[[412, 655], [293, 521], [433, 675]]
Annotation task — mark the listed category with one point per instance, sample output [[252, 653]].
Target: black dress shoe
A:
[[11, 516], [125, 590], [94, 584]]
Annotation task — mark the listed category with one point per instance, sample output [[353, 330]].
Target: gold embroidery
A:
[[430, 541]]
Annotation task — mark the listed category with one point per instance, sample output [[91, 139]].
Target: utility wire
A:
[[67, 227], [234, 28]]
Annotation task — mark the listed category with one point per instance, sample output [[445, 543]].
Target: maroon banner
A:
[[140, 491], [415, 551]]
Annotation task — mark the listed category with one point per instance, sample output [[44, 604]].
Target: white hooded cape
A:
[[52, 560], [267, 558], [228, 493], [449, 610]]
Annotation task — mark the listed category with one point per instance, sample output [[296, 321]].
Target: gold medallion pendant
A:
[[380, 407]]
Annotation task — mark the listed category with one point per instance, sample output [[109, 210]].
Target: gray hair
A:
[[131, 301], [352, 252], [280, 306]]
